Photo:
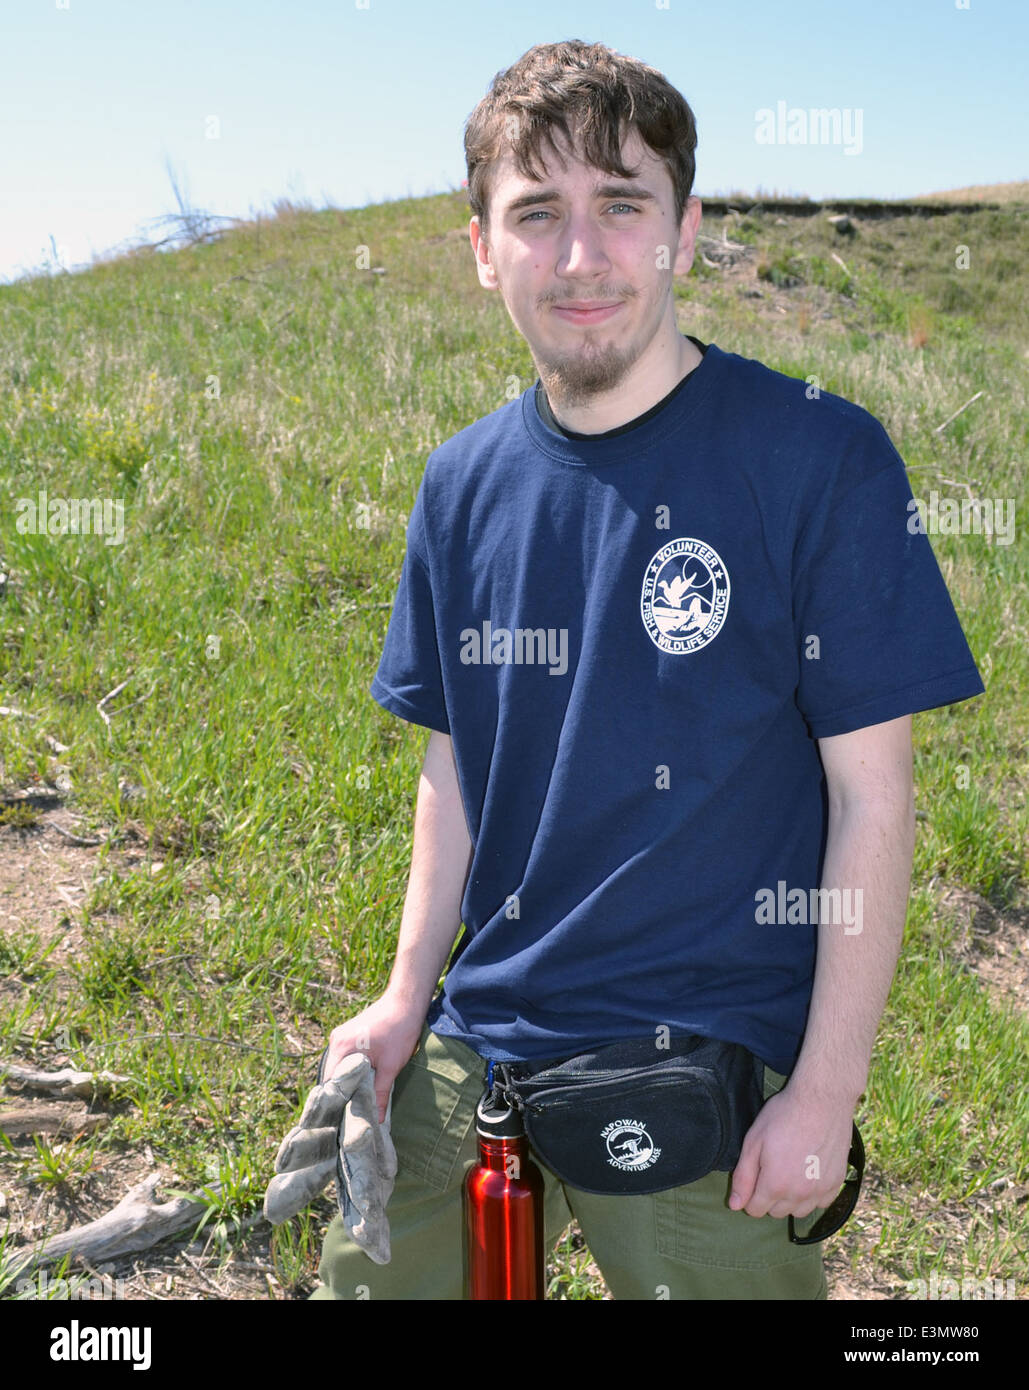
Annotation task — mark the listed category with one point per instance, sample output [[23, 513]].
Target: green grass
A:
[[264, 409]]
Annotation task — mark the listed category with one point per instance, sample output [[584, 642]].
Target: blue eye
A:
[[541, 212]]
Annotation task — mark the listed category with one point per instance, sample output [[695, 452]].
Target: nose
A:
[[581, 249]]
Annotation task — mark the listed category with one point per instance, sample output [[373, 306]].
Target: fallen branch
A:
[[49, 1119], [723, 250], [110, 696], [309, 984], [950, 418], [136, 1223], [75, 839], [62, 1083], [194, 1037], [31, 795]]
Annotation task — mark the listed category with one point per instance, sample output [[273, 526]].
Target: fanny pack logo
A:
[[685, 595], [629, 1146]]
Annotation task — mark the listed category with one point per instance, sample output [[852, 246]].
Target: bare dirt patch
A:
[[993, 944], [45, 878]]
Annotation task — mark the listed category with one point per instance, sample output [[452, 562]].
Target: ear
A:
[[691, 217], [487, 275]]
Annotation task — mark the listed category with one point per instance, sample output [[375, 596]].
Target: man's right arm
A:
[[388, 1030]]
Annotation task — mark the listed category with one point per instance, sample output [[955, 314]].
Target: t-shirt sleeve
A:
[[877, 632], [409, 679]]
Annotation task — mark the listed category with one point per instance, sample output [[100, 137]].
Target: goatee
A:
[[575, 378]]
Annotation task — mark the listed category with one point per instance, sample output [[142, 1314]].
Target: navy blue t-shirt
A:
[[634, 641]]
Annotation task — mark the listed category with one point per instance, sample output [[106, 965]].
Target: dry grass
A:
[[1016, 192]]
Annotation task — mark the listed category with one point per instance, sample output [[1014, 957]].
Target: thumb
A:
[[744, 1178], [383, 1092]]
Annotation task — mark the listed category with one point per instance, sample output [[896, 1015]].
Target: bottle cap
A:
[[496, 1120]]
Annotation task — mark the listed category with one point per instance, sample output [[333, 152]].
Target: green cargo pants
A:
[[681, 1244]]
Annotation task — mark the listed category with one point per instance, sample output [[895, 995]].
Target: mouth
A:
[[586, 312]]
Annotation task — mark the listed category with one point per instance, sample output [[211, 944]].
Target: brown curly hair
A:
[[588, 88]]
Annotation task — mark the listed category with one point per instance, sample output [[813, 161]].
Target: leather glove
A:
[[339, 1132]]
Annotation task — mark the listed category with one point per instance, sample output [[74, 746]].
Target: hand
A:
[[794, 1156], [387, 1032]]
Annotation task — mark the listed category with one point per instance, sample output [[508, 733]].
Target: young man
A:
[[668, 622]]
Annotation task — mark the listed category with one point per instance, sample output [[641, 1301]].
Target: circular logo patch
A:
[[685, 596], [629, 1146]]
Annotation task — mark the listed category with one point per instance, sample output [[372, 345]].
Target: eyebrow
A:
[[601, 190]]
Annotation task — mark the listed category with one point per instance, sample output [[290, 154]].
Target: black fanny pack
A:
[[616, 1121]]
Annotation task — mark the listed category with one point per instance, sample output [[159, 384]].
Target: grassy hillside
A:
[[1016, 192], [210, 868]]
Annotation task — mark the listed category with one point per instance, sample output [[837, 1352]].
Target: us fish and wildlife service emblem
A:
[[685, 596]]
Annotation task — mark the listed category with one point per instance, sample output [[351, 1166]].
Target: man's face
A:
[[585, 262]]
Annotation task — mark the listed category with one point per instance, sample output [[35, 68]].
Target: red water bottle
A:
[[504, 1209]]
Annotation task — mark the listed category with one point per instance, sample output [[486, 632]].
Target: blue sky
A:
[[355, 101]]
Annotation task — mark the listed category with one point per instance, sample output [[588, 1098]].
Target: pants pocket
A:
[[434, 1100], [696, 1226]]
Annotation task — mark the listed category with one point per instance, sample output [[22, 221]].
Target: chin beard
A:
[[577, 378]]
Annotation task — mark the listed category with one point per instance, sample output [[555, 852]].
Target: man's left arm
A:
[[869, 847]]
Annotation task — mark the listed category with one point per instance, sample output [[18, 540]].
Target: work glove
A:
[[339, 1132]]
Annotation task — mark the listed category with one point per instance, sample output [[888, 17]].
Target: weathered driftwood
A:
[[724, 252], [61, 1083], [49, 1119], [136, 1223]]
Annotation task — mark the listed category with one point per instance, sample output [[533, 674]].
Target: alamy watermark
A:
[[963, 516], [936, 1287], [98, 1286], [780, 906], [86, 1343], [797, 125], [77, 516], [528, 646]]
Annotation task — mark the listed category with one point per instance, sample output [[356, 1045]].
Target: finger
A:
[[744, 1177], [303, 1148], [780, 1210], [382, 1099], [289, 1193], [323, 1106]]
